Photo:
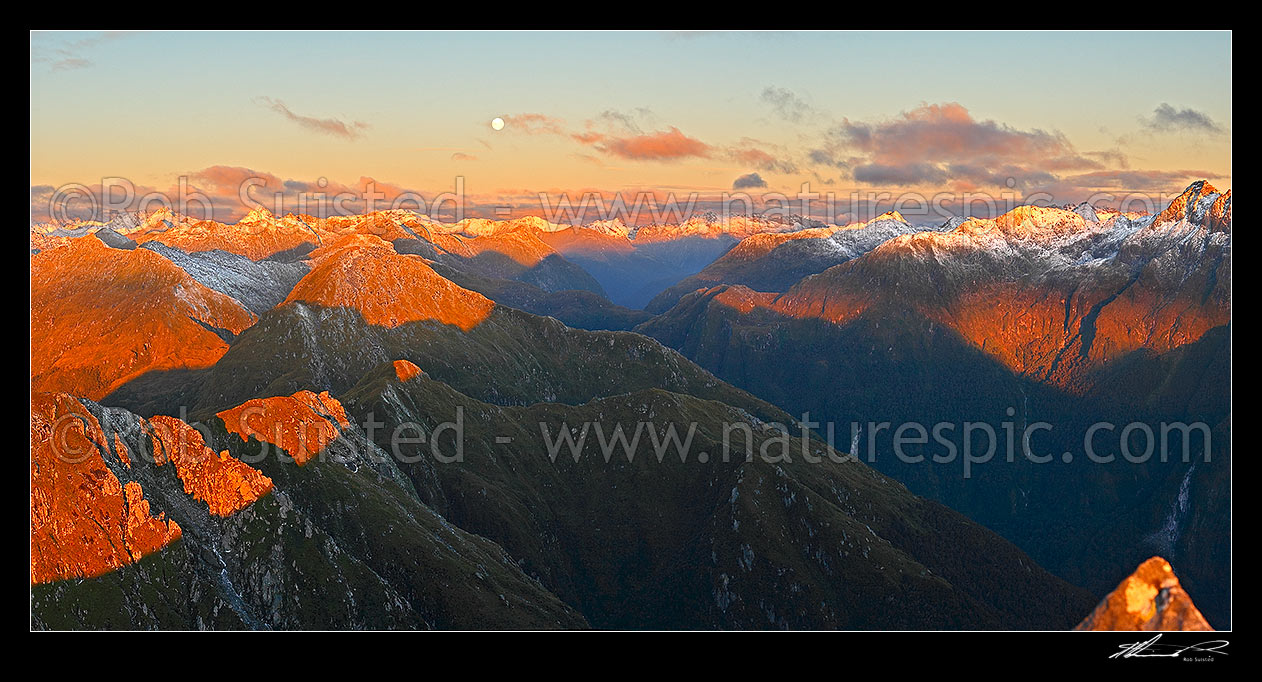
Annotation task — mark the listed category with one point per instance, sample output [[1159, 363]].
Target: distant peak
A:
[[1030, 221], [613, 227], [257, 215], [483, 227], [405, 370], [1151, 598], [1087, 212], [1200, 204], [161, 213], [1200, 188]]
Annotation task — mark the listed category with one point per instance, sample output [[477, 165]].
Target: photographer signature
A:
[[1151, 649]]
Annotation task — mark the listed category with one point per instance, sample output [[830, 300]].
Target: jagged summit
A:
[[1087, 212], [1151, 598], [1038, 221], [1199, 204], [1055, 228], [1040, 290], [257, 214], [614, 227]]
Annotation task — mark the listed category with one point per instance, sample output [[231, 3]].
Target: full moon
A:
[[497, 123]]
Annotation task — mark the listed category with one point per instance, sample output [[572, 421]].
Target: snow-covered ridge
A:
[[712, 225], [1051, 227], [1078, 235]]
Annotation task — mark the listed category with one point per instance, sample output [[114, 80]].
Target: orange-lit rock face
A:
[[1025, 329], [302, 424], [1139, 318], [390, 289], [1036, 221], [1150, 599], [101, 317], [1187, 205], [1052, 317], [389, 225], [742, 298], [224, 483], [405, 370], [818, 297], [256, 236], [1045, 331], [83, 521], [1220, 212], [120, 449]]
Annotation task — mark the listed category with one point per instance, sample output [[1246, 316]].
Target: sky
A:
[[1055, 116]]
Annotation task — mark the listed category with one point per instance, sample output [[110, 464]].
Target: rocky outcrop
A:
[[404, 370], [302, 424], [84, 521], [332, 544], [226, 484], [1149, 599]]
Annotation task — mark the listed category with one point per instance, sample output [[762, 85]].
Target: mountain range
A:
[[217, 413]]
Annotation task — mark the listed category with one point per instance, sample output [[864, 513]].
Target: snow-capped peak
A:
[[258, 214]]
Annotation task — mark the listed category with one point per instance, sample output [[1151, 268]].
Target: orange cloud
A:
[[661, 145], [668, 144], [753, 157], [762, 160]]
